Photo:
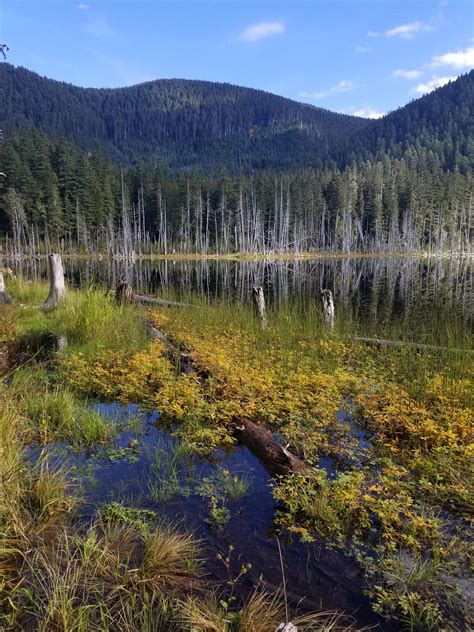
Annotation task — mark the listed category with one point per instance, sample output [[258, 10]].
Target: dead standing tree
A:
[[4, 298], [57, 287], [328, 307], [259, 299]]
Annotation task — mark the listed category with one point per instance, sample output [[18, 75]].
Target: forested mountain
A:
[[186, 123], [213, 125], [227, 169]]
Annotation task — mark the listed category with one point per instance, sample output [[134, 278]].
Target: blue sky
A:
[[362, 57]]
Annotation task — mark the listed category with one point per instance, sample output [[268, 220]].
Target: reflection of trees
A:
[[370, 289]]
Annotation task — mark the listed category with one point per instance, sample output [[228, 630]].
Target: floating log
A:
[[413, 345], [57, 288], [4, 298], [259, 299], [328, 307]]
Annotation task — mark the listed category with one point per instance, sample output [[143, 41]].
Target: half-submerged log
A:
[[4, 298], [276, 458], [57, 287], [259, 299], [328, 307]]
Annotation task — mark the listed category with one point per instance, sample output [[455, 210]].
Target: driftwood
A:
[[4, 298], [259, 299], [413, 345], [57, 287], [328, 307]]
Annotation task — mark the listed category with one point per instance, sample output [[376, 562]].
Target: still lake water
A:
[[420, 297]]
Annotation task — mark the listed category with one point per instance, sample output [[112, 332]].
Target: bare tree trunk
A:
[[57, 288], [4, 298], [328, 307], [259, 299]]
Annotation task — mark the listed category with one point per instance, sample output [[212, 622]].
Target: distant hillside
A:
[[186, 123], [436, 130]]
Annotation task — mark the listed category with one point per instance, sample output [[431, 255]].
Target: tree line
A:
[[57, 195]]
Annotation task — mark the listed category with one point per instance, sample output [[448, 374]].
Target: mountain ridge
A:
[[188, 123]]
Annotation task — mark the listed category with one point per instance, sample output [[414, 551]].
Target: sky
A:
[[357, 57]]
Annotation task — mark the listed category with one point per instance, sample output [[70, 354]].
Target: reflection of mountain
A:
[[371, 291]]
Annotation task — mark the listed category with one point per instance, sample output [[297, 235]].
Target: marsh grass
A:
[[57, 415]]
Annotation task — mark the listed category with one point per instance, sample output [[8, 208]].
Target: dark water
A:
[[316, 577], [375, 292]]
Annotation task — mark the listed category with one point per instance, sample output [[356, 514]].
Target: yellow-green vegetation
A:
[[126, 570], [405, 490]]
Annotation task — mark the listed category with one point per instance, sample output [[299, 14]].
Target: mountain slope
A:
[[184, 122], [437, 128], [213, 125]]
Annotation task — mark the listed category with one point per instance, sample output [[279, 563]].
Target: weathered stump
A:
[[57, 287], [124, 292], [259, 299], [328, 307], [4, 298]]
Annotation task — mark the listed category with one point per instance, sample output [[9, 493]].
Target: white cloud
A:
[[403, 31], [362, 49], [261, 30], [411, 75], [83, 7], [346, 85], [364, 112], [429, 86], [100, 29], [368, 112], [460, 59], [407, 30]]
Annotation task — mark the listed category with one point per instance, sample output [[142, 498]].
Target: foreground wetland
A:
[[128, 502]]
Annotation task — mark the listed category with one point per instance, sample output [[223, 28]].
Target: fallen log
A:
[[413, 345], [5, 299], [275, 457], [125, 294]]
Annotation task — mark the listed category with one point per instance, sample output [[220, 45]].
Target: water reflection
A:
[[366, 289]]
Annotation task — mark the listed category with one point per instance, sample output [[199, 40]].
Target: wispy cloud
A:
[[429, 86], [83, 6], [361, 49], [261, 30], [460, 60], [100, 29], [403, 31], [346, 85], [411, 75], [365, 112]]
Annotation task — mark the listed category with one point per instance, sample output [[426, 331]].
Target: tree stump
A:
[[124, 292], [4, 298], [259, 299], [57, 287], [328, 307]]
